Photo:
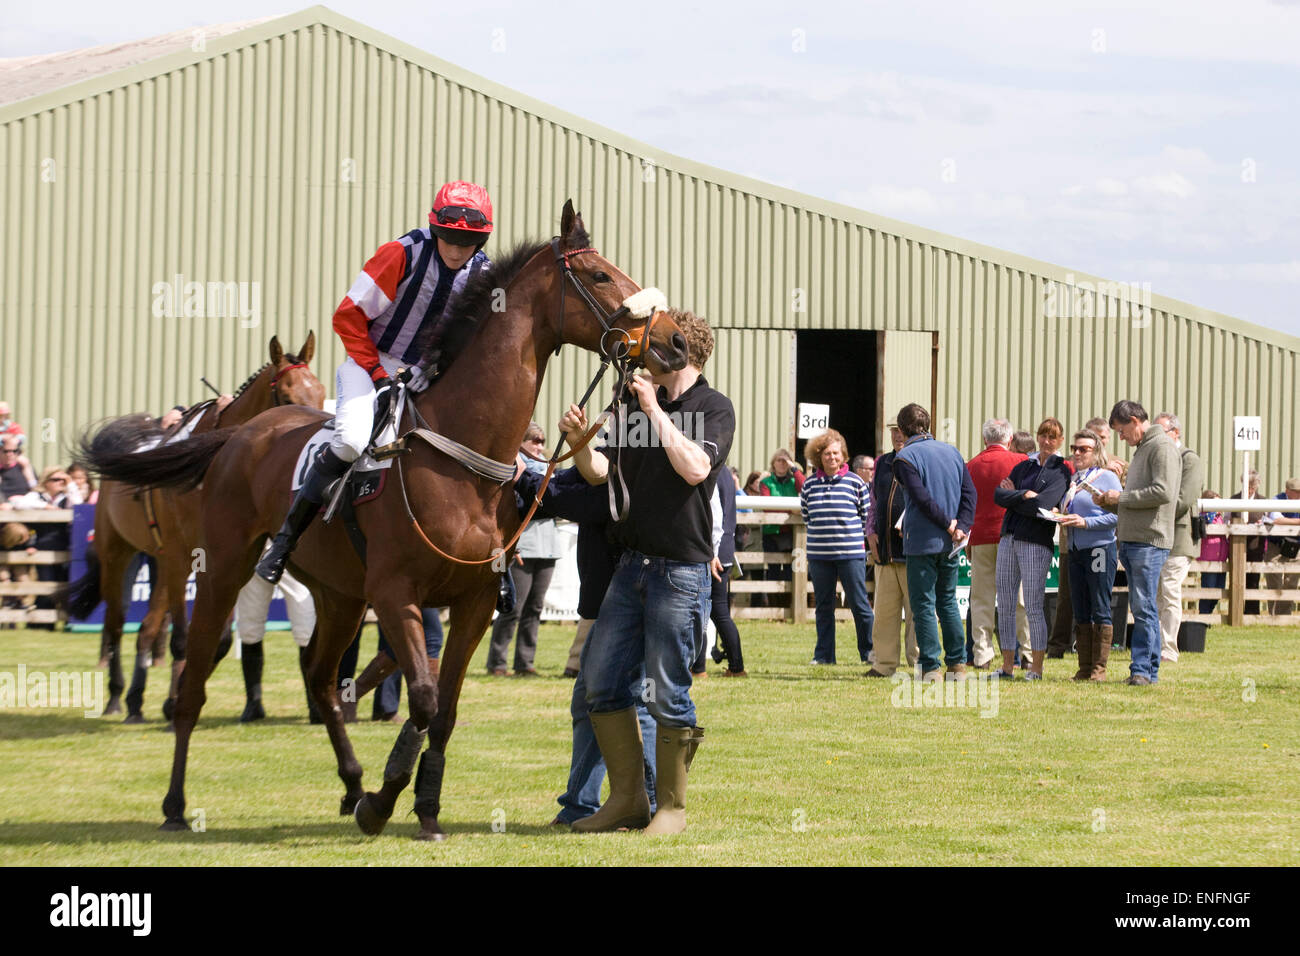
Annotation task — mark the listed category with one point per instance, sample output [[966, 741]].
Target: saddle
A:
[[366, 479]]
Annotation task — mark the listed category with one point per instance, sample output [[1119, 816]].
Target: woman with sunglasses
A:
[[1091, 554], [394, 307]]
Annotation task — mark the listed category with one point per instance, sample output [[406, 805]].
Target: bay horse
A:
[[494, 361], [164, 524]]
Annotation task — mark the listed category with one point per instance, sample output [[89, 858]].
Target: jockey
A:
[[403, 291]]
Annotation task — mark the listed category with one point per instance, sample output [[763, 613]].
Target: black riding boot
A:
[[306, 505], [252, 665]]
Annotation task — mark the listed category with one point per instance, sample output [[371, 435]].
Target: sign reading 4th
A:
[[1246, 432]]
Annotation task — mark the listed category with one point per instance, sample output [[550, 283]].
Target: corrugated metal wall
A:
[[286, 161]]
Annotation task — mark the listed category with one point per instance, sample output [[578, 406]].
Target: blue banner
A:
[[135, 587]]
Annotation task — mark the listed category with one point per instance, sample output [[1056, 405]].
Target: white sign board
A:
[[1246, 432], [813, 419]]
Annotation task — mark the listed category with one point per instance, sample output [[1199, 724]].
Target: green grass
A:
[[800, 765]]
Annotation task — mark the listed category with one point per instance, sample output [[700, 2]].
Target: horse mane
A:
[[289, 357], [253, 378], [474, 303]]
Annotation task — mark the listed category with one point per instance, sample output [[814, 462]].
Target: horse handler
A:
[[658, 600]]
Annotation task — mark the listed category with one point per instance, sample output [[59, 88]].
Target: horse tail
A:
[[112, 453], [82, 596]]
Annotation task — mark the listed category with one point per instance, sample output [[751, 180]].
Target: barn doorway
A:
[[839, 368]]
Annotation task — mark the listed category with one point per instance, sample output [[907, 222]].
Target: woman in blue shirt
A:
[[1091, 555], [834, 506]]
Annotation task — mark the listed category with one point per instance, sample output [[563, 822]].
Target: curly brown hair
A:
[[813, 450], [699, 337]]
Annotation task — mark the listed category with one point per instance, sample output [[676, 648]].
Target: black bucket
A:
[[1191, 637]]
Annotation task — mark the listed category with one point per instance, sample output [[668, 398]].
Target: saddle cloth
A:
[[367, 475]]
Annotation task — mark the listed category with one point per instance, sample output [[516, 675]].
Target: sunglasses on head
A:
[[450, 215]]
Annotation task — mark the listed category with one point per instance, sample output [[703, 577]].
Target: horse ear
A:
[[309, 349], [277, 353], [567, 219]]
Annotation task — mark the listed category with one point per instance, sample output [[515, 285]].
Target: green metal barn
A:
[[266, 161]]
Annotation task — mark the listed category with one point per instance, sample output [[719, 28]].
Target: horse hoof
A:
[[369, 819], [348, 804], [169, 708], [114, 707], [174, 825], [253, 710], [430, 831], [134, 719]]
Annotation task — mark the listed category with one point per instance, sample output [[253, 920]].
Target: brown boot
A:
[[1083, 642], [1102, 635], [619, 736], [674, 750]]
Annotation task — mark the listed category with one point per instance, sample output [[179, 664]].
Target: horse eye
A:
[[601, 277]]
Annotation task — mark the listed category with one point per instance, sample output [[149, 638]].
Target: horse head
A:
[[603, 310], [292, 381]]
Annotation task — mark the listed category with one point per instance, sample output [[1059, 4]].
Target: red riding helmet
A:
[[462, 214]]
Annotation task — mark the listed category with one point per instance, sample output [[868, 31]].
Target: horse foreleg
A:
[[469, 621], [403, 624], [337, 620]]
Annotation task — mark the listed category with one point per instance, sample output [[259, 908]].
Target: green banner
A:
[[1053, 575]]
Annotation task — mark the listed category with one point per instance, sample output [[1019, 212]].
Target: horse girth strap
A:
[[498, 553], [479, 464], [151, 517]]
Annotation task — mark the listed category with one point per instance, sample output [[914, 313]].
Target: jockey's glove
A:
[[418, 381]]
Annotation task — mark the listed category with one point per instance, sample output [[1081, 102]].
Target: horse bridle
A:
[[635, 341], [275, 394]]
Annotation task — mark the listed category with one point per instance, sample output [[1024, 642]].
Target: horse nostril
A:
[[679, 342]]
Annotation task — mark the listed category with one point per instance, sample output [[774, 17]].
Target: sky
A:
[[1144, 142]]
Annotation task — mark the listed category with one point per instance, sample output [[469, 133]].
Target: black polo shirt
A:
[[669, 518]]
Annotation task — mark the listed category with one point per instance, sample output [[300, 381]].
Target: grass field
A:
[[800, 765]]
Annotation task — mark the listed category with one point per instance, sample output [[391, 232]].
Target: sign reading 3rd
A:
[[813, 419]]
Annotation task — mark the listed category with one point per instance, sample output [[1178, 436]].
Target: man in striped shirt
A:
[[401, 294], [834, 505]]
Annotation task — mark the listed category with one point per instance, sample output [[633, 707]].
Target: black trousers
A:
[[531, 579], [728, 633]]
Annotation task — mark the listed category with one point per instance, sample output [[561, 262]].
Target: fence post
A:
[[1237, 581], [799, 575]]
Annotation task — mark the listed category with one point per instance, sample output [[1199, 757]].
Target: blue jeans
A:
[[1143, 563], [932, 593], [586, 765], [653, 618], [1090, 590], [852, 573]]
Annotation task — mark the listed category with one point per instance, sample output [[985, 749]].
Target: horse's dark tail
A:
[[82, 596], [112, 452]]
